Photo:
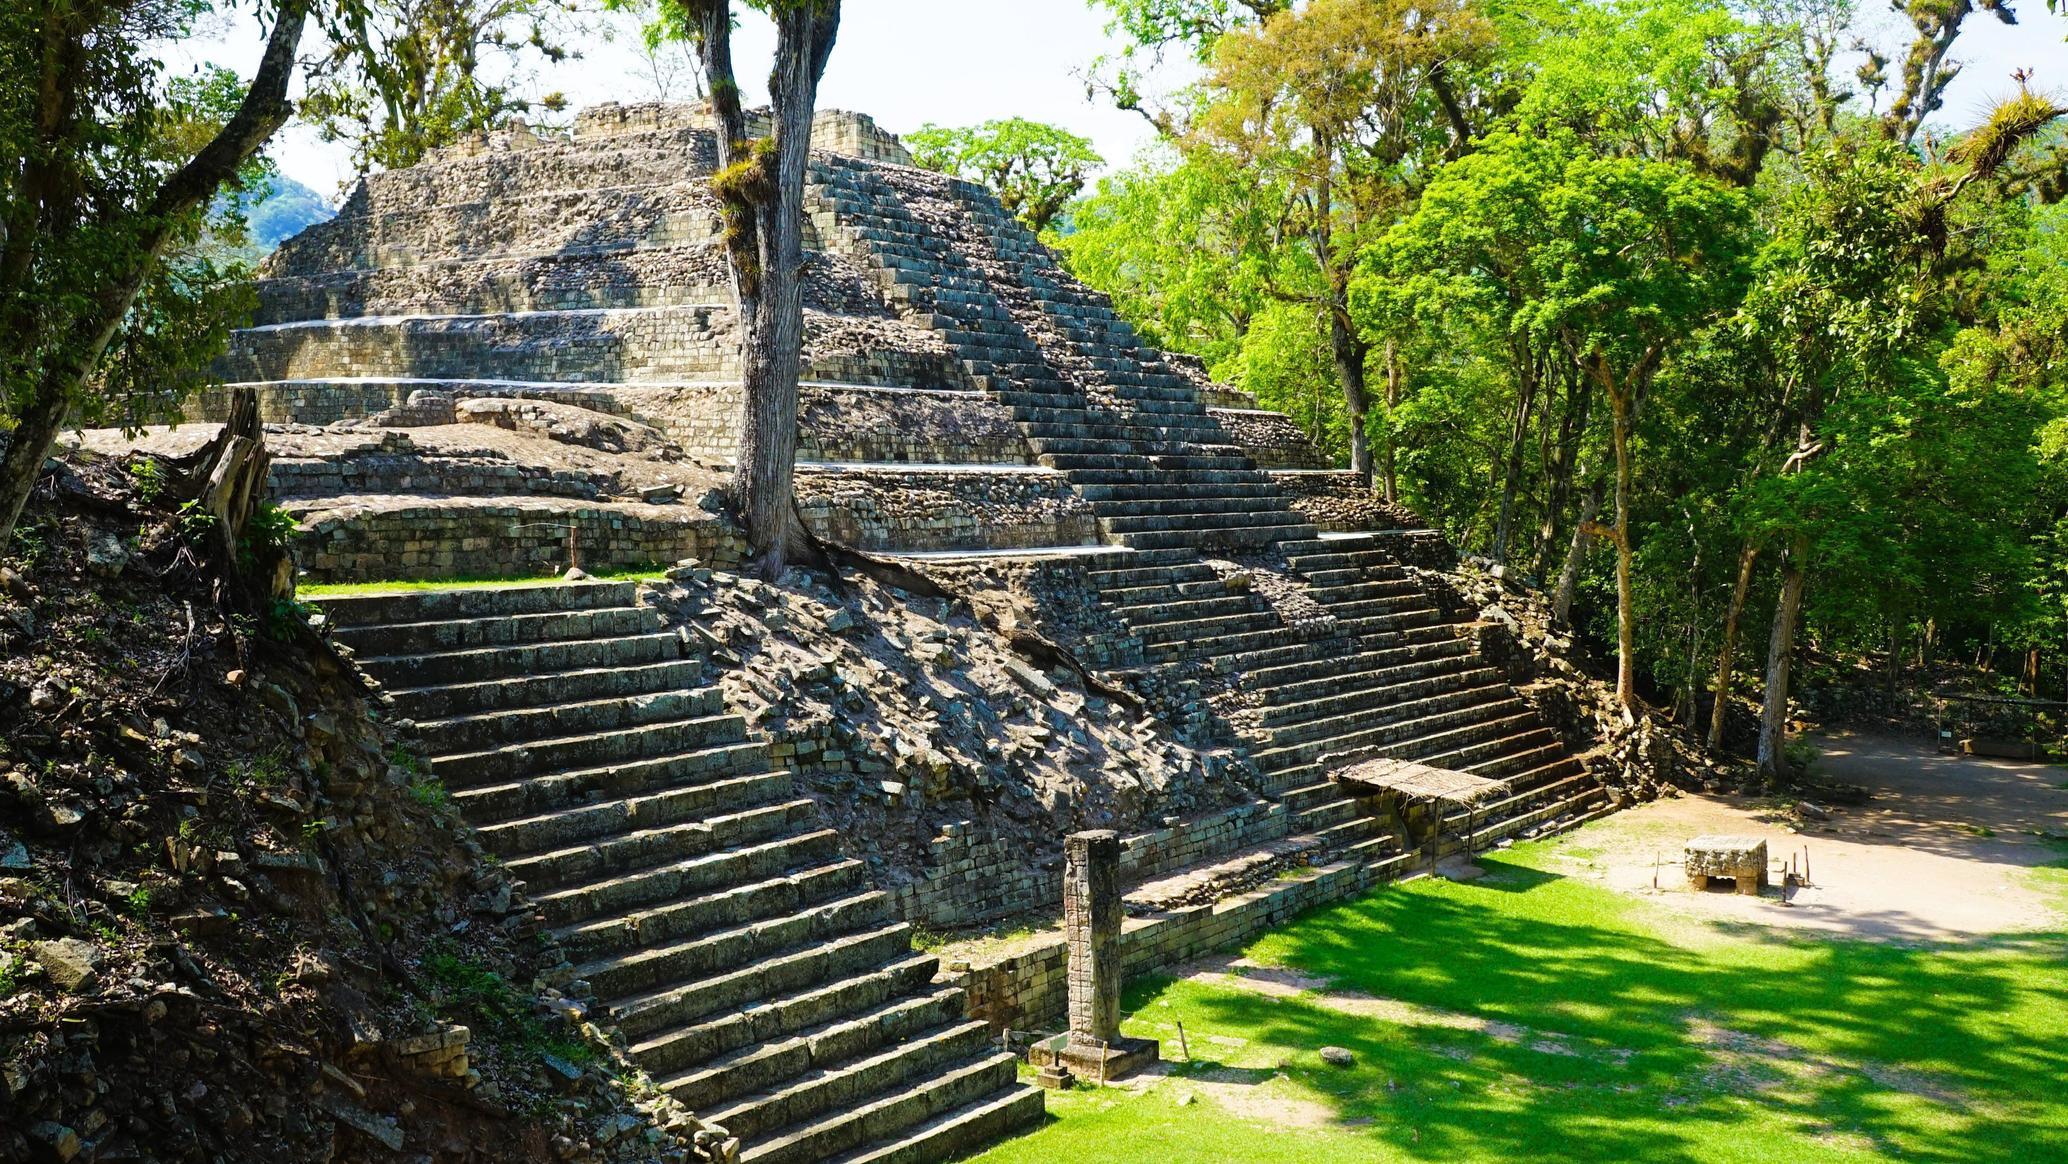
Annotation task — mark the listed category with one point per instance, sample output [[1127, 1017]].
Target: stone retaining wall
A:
[[499, 538], [971, 880], [1027, 990], [842, 424], [320, 402], [888, 509]]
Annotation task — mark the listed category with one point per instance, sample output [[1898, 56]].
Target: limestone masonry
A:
[[523, 351]]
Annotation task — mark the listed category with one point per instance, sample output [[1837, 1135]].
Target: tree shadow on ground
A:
[[1638, 1048]]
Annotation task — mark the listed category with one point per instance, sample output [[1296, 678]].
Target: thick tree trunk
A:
[[762, 189], [1780, 652], [1726, 655], [1572, 428], [1349, 357], [1576, 551], [35, 430]]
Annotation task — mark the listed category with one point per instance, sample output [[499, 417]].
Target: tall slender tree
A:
[[760, 185]]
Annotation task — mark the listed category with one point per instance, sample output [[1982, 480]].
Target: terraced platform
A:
[[759, 976]]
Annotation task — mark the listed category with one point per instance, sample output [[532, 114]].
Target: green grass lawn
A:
[[1532, 1017]]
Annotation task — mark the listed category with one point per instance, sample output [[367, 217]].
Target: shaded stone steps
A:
[[1156, 490], [1165, 594], [1381, 725], [1373, 693], [837, 1038], [416, 606], [553, 687], [651, 967], [1318, 671], [1218, 537], [644, 742], [1219, 643], [1450, 733], [783, 1014], [1152, 610], [422, 638], [1328, 658], [1205, 518], [476, 730], [650, 1015], [671, 804], [579, 865], [957, 1132], [672, 919], [714, 772], [1188, 630], [685, 875], [884, 1120], [832, 1088]]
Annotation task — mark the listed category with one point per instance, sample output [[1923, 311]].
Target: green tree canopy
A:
[[1034, 168]]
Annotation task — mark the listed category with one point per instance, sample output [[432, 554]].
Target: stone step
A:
[[762, 1065], [829, 1088], [886, 1117], [701, 873], [1443, 699], [487, 729], [1141, 597], [1363, 590], [489, 664], [539, 689], [1284, 722], [1156, 489], [1204, 522], [1195, 506], [782, 1014], [653, 967], [1466, 749], [1377, 671], [1216, 648], [412, 606], [951, 1136], [543, 832], [1235, 537], [1195, 630], [580, 863], [422, 638], [732, 905], [542, 756], [1407, 738], [650, 1014], [728, 770]]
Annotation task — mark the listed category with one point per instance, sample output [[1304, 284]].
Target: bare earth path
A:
[[1945, 847]]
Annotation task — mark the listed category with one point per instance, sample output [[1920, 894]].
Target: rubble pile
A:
[[237, 923], [909, 715]]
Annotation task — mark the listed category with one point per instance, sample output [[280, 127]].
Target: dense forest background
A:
[[1704, 293]]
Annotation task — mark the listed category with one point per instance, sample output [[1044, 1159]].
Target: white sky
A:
[[958, 62]]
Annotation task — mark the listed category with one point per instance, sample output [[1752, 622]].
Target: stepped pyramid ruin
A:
[[967, 401]]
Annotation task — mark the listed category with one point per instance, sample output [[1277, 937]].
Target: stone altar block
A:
[[1743, 859], [1093, 1047]]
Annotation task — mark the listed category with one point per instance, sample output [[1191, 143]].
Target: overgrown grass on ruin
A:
[[1528, 1016], [320, 590]]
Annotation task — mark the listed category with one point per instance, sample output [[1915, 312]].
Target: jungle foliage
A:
[[1696, 312]]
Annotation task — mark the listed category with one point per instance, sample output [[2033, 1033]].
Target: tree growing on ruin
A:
[[109, 168], [1034, 168], [760, 187]]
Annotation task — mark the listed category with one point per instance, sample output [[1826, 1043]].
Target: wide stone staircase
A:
[[759, 977], [1376, 672]]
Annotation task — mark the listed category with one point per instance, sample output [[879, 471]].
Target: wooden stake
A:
[[1187, 1050]]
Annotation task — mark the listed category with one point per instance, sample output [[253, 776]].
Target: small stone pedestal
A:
[[1742, 859], [1093, 1048]]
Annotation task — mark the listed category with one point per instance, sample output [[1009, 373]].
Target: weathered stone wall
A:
[[891, 509], [1029, 989], [500, 538], [413, 473], [568, 282], [319, 402], [843, 423], [972, 879]]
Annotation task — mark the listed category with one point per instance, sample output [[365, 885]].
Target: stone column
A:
[[1091, 924]]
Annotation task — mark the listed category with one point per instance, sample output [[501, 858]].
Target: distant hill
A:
[[279, 210]]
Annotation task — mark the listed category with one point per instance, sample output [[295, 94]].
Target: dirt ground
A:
[[1942, 849]]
